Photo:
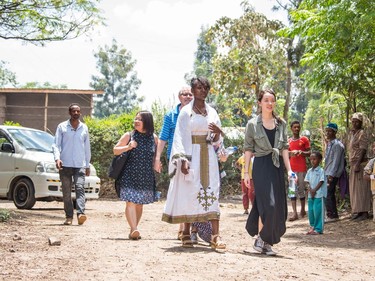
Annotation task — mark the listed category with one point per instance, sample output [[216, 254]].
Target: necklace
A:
[[200, 112]]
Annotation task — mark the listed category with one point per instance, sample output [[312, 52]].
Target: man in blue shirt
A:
[[72, 156], [167, 131], [170, 120]]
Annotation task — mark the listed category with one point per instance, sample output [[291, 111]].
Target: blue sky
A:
[[160, 34]]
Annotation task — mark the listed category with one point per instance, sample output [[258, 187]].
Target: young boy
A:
[[247, 193], [369, 174], [317, 192]]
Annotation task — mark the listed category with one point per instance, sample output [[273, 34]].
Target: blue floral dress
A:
[[137, 182]]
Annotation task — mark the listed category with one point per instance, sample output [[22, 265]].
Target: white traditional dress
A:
[[193, 197]]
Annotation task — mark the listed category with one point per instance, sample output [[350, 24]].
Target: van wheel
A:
[[24, 194]]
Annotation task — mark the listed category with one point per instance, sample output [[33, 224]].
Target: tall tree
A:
[[7, 77], [47, 20], [203, 57], [293, 69], [118, 80], [251, 56], [340, 49]]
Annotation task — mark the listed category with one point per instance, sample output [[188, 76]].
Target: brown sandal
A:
[[218, 245], [186, 241], [180, 234], [135, 235]]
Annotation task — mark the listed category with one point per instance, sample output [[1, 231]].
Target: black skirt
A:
[[270, 200]]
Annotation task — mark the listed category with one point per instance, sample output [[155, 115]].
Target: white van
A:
[[27, 168]]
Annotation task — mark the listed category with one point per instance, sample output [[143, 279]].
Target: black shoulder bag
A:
[[118, 163]]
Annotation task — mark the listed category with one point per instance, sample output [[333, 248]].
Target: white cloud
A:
[[160, 34]]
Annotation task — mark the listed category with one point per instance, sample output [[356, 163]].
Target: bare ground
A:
[[100, 250]]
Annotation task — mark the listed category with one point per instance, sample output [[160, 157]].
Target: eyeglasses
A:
[[138, 119], [186, 94]]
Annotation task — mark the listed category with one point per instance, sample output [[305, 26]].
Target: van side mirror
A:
[[7, 147]]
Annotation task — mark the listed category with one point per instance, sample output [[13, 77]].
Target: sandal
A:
[[186, 241], [218, 245], [135, 235], [180, 234]]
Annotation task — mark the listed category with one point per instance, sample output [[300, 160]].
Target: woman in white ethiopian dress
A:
[[193, 194]]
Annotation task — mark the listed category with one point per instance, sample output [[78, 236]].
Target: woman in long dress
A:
[[137, 181], [193, 194], [266, 139]]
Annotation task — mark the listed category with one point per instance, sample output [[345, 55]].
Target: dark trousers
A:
[[331, 199], [68, 177]]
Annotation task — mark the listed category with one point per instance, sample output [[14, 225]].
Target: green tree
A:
[[45, 85], [251, 56], [339, 40], [203, 57], [118, 80], [7, 77], [47, 20], [296, 100], [104, 134]]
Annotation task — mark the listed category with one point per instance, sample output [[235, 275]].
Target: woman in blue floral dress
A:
[[137, 181]]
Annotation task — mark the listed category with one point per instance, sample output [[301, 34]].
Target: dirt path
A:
[[100, 250]]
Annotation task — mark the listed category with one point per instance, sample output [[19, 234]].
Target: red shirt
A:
[[298, 162]]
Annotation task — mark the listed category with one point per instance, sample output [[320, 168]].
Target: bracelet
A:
[[246, 172]]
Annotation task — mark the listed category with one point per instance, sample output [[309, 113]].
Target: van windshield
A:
[[33, 140]]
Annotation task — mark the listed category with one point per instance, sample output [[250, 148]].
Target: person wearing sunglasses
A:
[[193, 194], [167, 131]]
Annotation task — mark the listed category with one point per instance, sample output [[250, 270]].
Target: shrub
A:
[[4, 215], [105, 133]]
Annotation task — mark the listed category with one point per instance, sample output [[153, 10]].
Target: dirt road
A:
[[100, 250]]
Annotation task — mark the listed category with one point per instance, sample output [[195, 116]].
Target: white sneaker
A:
[[328, 220], [258, 244], [267, 249], [194, 238]]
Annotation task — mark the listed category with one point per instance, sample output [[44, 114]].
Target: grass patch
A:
[[4, 215]]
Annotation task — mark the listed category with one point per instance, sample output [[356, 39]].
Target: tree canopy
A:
[[203, 57], [118, 80], [7, 77], [251, 56], [47, 20], [339, 48]]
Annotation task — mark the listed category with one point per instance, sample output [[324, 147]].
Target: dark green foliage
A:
[[231, 183], [104, 134]]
